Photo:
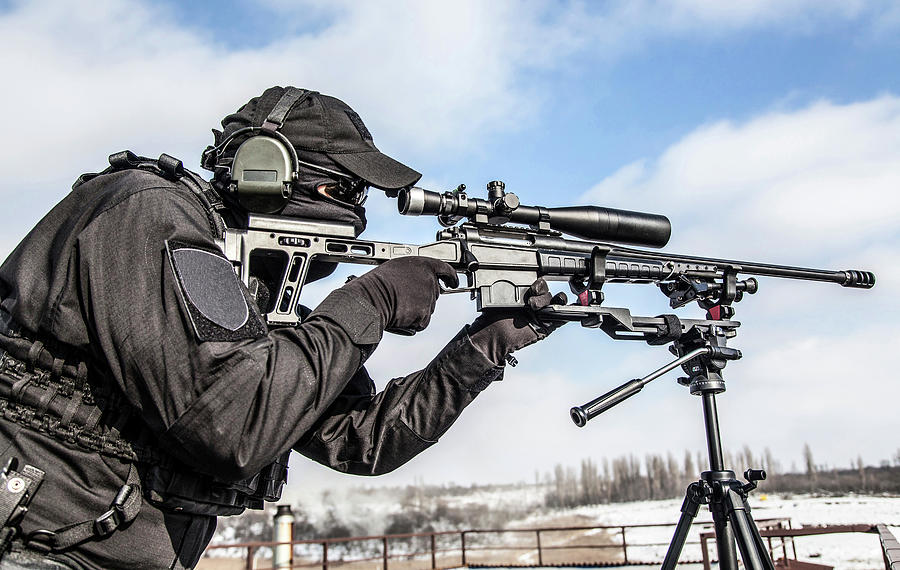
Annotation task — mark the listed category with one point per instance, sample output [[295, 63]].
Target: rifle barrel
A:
[[621, 255], [848, 278]]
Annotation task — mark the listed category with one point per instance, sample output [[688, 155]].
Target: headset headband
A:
[[289, 98], [270, 126]]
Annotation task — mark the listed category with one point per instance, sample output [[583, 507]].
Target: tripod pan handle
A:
[[581, 415]]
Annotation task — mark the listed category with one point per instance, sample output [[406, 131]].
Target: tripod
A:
[[702, 354]]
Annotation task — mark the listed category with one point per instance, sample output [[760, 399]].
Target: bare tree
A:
[[810, 463], [769, 461], [690, 472], [861, 469]]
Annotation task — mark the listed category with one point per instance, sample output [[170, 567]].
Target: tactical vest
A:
[[54, 389]]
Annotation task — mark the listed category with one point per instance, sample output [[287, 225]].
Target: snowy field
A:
[[853, 551], [849, 550]]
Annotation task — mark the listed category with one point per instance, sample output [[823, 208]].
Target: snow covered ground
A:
[[853, 551]]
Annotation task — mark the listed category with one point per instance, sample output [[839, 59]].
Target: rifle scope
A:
[[586, 222]]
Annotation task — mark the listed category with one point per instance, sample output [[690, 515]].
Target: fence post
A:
[[248, 565], [707, 565], [433, 553], [793, 542], [462, 534], [624, 546], [385, 545], [283, 536], [540, 553], [324, 556]]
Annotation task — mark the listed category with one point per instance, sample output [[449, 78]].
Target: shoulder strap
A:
[[172, 169]]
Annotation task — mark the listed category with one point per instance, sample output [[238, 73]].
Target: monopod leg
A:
[[692, 501]]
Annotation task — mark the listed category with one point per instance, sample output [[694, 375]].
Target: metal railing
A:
[[890, 547], [597, 545]]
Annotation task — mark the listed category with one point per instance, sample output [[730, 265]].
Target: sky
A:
[[766, 131]]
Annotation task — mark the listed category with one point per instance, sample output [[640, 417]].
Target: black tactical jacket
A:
[[95, 279]]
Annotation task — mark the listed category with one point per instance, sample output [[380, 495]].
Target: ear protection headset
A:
[[265, 166]]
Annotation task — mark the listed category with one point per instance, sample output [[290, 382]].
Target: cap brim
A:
[[377, 169]]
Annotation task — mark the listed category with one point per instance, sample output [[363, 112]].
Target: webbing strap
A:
[[172, 169], [124, 508], [17, 488], [289, 98], [210, 200], [6, 324]]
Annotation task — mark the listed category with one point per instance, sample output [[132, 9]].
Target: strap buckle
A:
[[109, 521], [41, 540]]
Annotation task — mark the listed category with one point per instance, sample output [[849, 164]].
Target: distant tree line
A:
[[628, 478], [426, 508]]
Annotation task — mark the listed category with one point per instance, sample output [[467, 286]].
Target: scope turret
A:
[[587, 222]]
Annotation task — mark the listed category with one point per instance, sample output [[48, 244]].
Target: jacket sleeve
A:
[[364, 433], [227, 406], [223, 405]]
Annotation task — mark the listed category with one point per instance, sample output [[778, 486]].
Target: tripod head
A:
[[700, 346]]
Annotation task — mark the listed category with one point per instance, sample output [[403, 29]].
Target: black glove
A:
[[404, 291], [498, 333]]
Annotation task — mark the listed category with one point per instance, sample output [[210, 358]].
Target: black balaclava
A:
[[306, 203]]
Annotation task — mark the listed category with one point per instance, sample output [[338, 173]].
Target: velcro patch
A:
[[360, 126], [217, 303]]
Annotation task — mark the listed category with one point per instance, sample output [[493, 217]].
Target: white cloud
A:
[[124, 73], [693, 14], [431, 77], [90, 80], [817, 181], [816, 186]]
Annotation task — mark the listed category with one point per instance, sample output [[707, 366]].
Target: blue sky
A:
[[765, 130], [612, 109]]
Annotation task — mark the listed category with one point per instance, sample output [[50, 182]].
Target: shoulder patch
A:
[[218, 305]]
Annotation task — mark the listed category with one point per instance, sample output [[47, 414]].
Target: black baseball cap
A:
[[326, 125]]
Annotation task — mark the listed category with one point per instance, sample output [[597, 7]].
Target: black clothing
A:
[[500, 333], [323, 125], [95, 284], [404, 291]]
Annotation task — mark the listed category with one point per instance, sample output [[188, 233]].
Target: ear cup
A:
[[262, 174]]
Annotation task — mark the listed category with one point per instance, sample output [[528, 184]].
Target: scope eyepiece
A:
[[417, 201], [587, 222]]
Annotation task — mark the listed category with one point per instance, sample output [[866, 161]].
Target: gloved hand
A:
[[404, 291], [499, 333]]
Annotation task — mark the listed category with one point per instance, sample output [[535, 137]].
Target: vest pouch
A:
[[268, 483], [193, 493]]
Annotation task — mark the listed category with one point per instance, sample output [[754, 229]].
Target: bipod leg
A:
[[753, 551], [694, 497]]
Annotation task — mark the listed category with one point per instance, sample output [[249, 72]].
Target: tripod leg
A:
[[692, 501], [760, 545], [725, 545], [753, 551], [724, 532]]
